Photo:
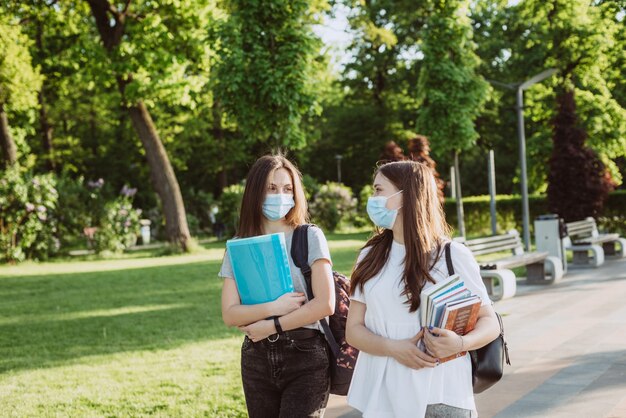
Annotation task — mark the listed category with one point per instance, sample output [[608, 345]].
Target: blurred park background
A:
[[113, 112], [134, 122]]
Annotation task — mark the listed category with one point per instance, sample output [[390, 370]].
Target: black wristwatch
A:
[[279, 329]]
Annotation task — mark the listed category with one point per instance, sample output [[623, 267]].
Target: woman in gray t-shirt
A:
[[284, 359]]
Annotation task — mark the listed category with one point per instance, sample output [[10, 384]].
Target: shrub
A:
[[75, 199], [198, 204], [311, 187], [613, 217], [229, 206], [119, 226], [27, 216], [509, 213], [110, 224], [193, 223], [332, 205], [360, 217]]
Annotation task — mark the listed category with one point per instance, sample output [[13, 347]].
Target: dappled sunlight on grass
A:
[[126, 337], [23, 319], [30, 269], [197, 379]]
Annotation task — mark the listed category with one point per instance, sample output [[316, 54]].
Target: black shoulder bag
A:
[[488, 361]]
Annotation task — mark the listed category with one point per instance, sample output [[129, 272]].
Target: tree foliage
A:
[[266, 72], [451, 92], [578, 186], [19, 80], [19, 83]]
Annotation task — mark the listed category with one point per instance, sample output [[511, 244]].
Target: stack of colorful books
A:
[[449, 304]]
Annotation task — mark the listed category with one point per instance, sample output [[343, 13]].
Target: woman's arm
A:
[[404, 351], [321, 306], [235, 314], [443, 343]]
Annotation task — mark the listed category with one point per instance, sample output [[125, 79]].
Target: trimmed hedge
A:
[[509, 213]]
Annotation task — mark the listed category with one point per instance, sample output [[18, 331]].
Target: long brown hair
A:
[[424, 229], [257, 181]]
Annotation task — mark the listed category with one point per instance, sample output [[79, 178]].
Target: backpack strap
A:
[[300, 253], [300, 257], [449, 259]]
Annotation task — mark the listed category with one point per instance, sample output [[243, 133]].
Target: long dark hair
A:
[[257, 181], [424, 229]]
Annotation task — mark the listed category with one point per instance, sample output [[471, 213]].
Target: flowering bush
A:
[[119, 226], [88, 211], [332, 205], [27, 220]]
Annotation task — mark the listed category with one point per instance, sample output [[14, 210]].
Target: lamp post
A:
[[338, 157], [491, 174], [519, 107]]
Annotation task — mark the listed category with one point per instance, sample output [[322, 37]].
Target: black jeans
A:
[[287, 378]]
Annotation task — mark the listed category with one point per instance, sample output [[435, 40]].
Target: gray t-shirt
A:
[[318, 249]]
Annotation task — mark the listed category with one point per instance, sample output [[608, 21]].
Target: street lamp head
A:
[[537, 78]]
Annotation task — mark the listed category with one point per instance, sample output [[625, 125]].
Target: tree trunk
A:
[[44, 124], [218, 134], [9, 150], [46, 133], [162, 175], [110, 24]]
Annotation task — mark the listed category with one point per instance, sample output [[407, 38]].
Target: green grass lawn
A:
[[136, 336]]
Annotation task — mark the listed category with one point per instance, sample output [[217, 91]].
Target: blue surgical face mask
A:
[[276, 206], [378, 212]]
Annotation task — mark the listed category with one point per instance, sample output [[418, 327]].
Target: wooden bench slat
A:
[[510, 241], [494, 238], [493, 249], [597, 240], [519, 260]]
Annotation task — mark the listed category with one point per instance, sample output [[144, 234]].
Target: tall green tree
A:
[[373, 98], [576, 37], [584, 40], [266, 74], [155, 52], [19, 83], [451, 92]]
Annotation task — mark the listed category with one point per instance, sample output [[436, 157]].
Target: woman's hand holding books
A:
[[408, 354], [442, 343]]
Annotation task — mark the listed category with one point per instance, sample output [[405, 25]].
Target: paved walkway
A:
[[568, 350]]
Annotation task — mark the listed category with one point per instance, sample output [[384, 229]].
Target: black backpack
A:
[[342, 355]]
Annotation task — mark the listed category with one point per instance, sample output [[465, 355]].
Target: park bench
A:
[[583, 238], [497, 270]]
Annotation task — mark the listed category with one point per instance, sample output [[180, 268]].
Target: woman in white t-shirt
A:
[[393, 377]]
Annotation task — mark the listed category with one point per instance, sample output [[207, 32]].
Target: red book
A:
[[461, 317]]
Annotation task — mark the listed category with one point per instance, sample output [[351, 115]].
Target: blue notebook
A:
[[261, 267]]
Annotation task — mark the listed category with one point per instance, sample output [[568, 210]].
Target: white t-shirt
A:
[[381, 387]]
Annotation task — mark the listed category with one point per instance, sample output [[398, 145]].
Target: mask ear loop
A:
[[400, 191]]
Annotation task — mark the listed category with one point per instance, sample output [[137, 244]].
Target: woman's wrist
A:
[[272, 308]]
